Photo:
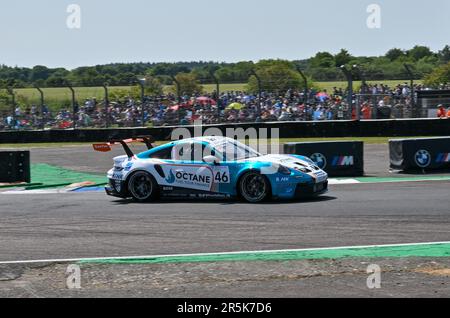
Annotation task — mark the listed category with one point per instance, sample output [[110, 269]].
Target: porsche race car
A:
[[210, 167]]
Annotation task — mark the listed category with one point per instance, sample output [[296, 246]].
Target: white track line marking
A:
[[331, 181], [345, 181], [37, 191], [68, 260]]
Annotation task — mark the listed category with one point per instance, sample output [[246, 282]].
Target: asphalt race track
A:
[[94, 225], [83, 225]]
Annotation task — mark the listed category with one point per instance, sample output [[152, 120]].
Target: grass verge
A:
[[412, 250], [367, 140]]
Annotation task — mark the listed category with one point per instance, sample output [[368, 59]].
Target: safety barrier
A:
[[15, 166], [339, 158], [420, 154], [367, 128]]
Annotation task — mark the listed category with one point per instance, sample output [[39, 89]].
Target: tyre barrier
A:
[[15, 166], [420, 154], [337, 158]]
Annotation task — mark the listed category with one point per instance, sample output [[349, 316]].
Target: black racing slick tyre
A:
[[254, 187], [142, 187]]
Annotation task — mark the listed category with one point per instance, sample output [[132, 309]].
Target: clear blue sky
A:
[[35, 32]]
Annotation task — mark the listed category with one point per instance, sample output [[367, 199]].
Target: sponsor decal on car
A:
[[102, 147], [192, 177], [117, 176], [171, 177], [319, 176], [221, 175]]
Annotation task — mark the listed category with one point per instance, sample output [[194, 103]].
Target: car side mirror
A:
[[211, 160]]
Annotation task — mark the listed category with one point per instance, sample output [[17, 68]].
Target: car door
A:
[[222, 176], [187, 170]]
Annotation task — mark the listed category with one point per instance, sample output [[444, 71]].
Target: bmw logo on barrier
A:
[[422, 158], [320, 160]]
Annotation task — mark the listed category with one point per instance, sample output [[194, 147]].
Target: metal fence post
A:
[[141, 83], [177, 83], [305, 82], [218, 101], [364, 86], [411, 78], [348, 74], [10, 91], [105, 87], [42, 105], [74, 111], [258, 106]]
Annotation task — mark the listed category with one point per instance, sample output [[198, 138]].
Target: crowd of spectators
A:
[[375, 101]]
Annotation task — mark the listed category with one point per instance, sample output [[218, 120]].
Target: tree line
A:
[[276, 74]]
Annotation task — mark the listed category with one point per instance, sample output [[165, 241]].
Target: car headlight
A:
[[284, 170]]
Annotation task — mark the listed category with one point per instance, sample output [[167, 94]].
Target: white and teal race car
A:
[[211, 167]]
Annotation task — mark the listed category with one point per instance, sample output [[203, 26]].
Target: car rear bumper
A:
[[116, 188]]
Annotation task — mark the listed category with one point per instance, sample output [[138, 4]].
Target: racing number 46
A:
[[221, 177]]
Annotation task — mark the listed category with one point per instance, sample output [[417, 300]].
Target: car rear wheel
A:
[[142, 186], [254, 187]]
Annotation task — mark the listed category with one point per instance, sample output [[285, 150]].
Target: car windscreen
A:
[[235, 151]]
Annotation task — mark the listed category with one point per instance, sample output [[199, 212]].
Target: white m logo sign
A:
[[347, 161]]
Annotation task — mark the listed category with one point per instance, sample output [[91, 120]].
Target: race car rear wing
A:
[[106, 147]]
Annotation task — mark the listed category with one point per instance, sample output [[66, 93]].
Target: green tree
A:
[[121, 94], [444, 54], [418, 52], [225, 74], [426, 65], [55, 81], [235, 73], [125, 79], [276, 76], [152, 87], [5, 102], [189, 84], [39, 72], [323, 59], [440, 76], [342, 58], [395, 54], [169, 69]]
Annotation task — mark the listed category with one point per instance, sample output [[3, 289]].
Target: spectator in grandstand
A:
[[441, 112], [366, 111], [376, 101], [318, 113]]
